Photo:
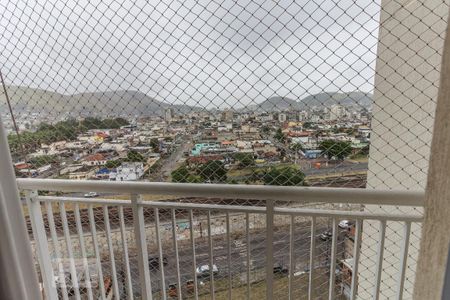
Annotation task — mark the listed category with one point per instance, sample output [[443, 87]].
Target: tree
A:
[[279, 136], [154, 143], [286, 176], [245, 159], [42, 160], [337, 149], [66, 130], [213, 170], [112, 164], [134, 156], [297, 147], [180, 175], [309, 125], [265, 129]]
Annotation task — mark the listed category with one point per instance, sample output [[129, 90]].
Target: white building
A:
[[95, 160], [282, 117], [168, 115], [303, 116], [128, 172], [337, 112]]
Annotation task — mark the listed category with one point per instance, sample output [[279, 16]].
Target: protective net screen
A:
[[241, 92], [294, 93]]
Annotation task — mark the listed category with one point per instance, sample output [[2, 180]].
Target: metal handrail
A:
[[260, 192]]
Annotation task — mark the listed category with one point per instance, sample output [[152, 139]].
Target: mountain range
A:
[[111, 103], [327, 99], [127, 102]]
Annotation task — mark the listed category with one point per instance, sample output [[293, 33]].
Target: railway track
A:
[[114, 219]]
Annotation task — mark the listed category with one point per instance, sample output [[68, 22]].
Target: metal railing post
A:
[[269, 249], [41, 241], [141, 244]]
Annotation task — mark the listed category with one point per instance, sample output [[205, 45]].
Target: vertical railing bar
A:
[[230, 284], [291, 257], [269, 249], [194, 260], [41, 242], [211, 258], [177, 259], [111, 251], [83, 251], [331, 291], [98, 262], [141, 244], [356, 255], [73, 270], [403, 259], [129, 283], [160, 253], [54, 235], [312, 256], [247, 235], [379, 265]]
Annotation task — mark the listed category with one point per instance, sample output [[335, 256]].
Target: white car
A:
[[90, 195], [345, 224], [203, 270]]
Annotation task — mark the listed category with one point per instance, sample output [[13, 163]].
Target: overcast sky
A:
[[209, 53]]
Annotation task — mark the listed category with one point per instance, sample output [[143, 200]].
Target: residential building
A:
[[97, 159], [168, 115], [129, 171], [282, 117]]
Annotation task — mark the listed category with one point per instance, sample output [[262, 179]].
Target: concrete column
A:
[[411, 39], [434, 245], [18, 279]]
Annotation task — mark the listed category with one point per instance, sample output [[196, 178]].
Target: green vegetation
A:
[[64, 130], [96, 123], [362, 154], [279, 136], [39, 161], [213, 170], [309, 125], [133, 156], [182, 174], [112, 164], [297, 147], [154, 143], [285, 176], [337, 149], [265, 129], [245, 159]]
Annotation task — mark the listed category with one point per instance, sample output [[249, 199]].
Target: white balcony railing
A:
[[149, 240]]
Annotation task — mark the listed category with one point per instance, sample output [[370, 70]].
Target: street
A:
[[238, 259]]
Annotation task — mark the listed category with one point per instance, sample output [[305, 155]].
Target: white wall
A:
[[406, 84]]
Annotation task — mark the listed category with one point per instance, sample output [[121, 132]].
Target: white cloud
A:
[[209, 52]]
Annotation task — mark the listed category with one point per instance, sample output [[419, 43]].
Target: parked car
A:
[[153, 262], [345, 224], [203, 270], [325, 236], [90, 195], [280, 269]]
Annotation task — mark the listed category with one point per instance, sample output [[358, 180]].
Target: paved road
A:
[[238, 255], [171, 162]]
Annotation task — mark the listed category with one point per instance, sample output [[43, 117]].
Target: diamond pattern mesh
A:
[[291, 93]]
